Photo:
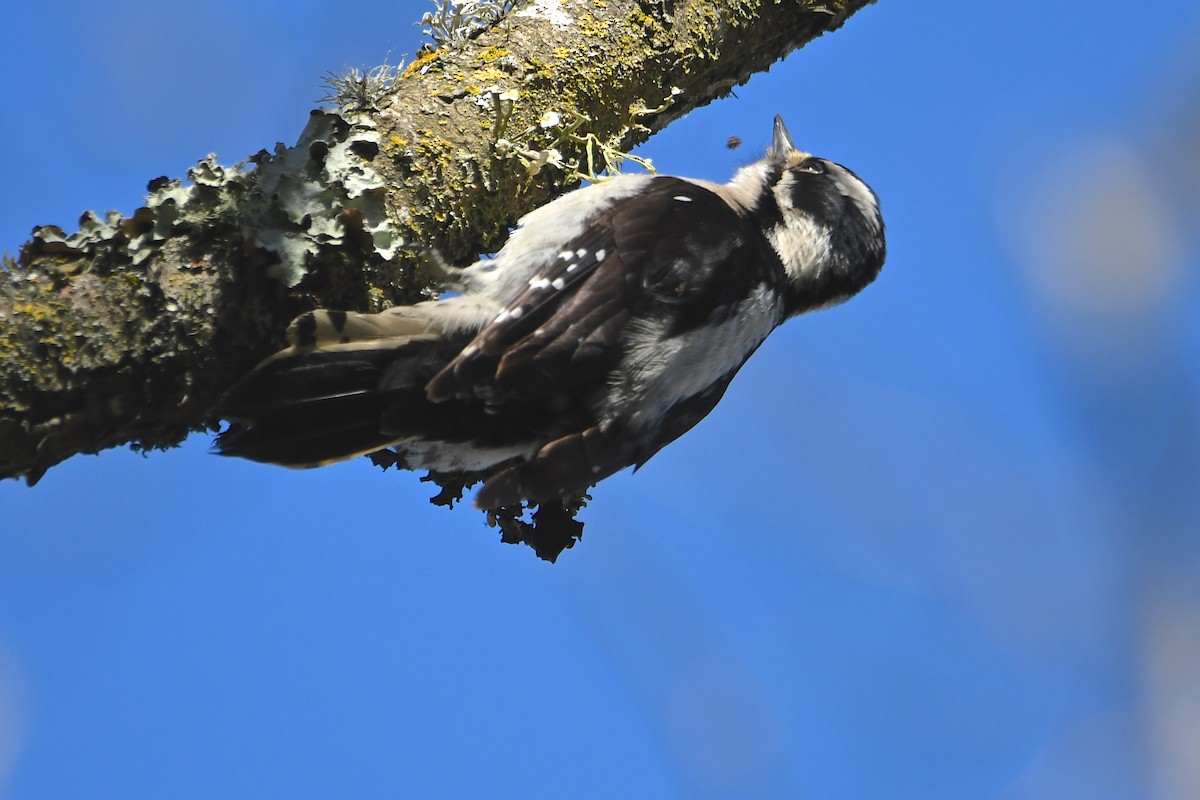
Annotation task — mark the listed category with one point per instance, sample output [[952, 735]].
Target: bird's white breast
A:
[[659, 371]]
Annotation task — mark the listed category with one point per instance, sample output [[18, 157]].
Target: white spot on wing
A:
[[601, 254], [538, 283], [566, 255], [516, 312], [558, 283], [533, 248], [581, 252], [683, 198]]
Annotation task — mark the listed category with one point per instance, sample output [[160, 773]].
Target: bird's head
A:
[[821, 219]]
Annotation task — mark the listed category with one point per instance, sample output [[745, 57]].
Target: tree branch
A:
[[128, 330]]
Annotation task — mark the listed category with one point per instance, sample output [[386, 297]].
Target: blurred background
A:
[[940, 542]]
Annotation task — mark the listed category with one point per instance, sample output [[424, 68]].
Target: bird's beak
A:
[[781, 142]]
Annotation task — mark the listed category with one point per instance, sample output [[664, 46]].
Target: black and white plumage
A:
[[610, 323]]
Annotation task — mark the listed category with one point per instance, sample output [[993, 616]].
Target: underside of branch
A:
[[129, 329]]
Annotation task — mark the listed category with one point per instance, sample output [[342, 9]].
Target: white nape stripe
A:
[[802, 244], [858, 192]]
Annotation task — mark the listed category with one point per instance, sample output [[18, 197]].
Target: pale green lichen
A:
[[170, 207], [293, 204], [452, 22], [307, 191]]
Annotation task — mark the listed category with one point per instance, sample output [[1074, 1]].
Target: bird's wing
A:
[[649, 253]]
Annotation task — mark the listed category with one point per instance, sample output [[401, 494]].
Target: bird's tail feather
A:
[[307, 409], [321, 399]]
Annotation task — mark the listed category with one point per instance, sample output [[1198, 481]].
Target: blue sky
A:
[[940, 542]]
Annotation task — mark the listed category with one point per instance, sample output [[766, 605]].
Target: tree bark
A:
[[129, 330]]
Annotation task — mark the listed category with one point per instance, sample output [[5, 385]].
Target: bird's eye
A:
[[813, 165]]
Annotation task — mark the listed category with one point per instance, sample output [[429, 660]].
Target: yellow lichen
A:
[[420, 61], [492, 53], [34, 312], [489, 76], [590, 26]]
